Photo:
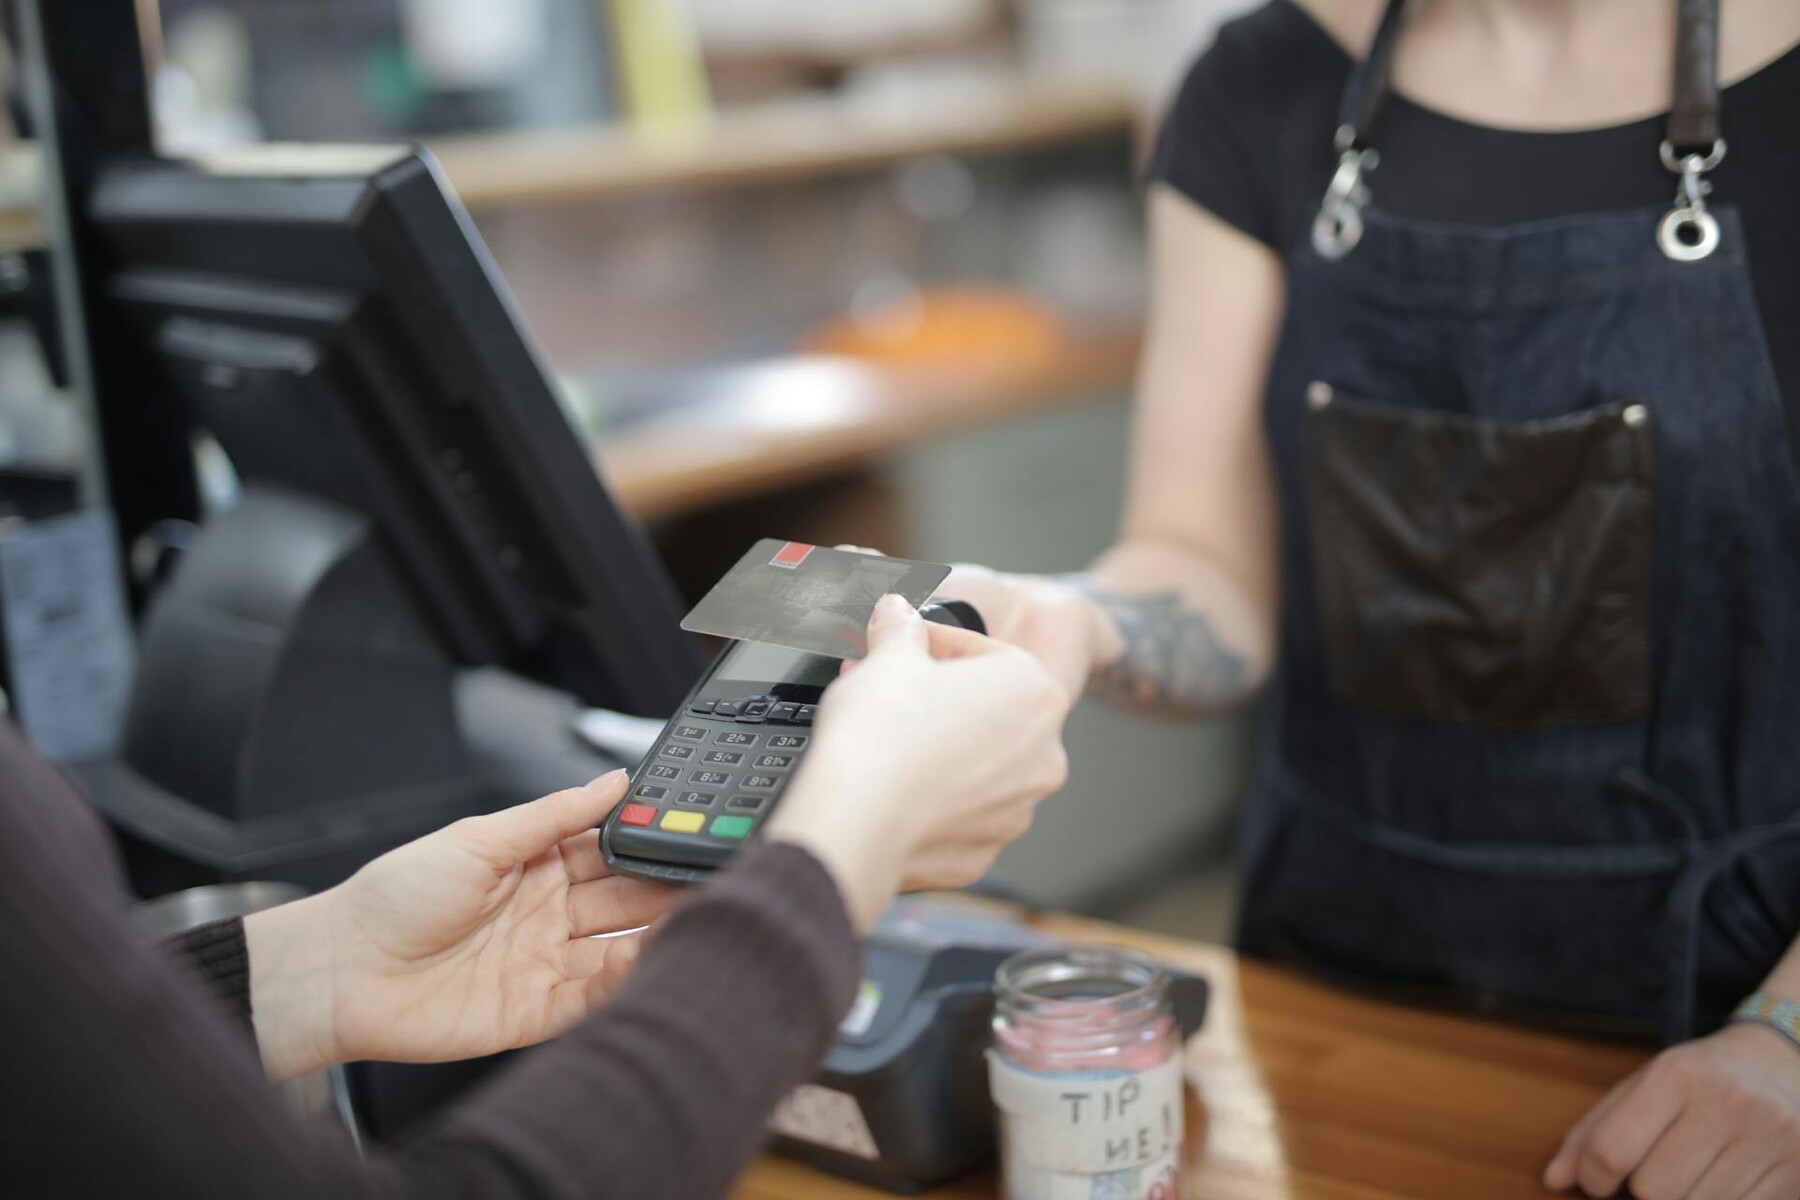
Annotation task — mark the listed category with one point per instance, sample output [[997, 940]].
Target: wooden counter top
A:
[[1300, 1092], [799, 419]]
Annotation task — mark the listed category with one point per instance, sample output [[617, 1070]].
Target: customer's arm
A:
[[130, 1080], [124, 1080]]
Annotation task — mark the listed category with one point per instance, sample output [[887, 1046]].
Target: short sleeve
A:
[[1205, 149], [1248, 137]]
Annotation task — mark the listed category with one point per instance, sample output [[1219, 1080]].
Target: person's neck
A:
[[1538, 64], [1530, 37]]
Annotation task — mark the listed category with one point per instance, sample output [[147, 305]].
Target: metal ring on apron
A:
[[1339, 225], [1687, 232]]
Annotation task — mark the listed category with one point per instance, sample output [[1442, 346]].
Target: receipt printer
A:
[[902, 1099]]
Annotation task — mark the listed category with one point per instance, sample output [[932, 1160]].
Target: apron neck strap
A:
[[1693, 125], [1360, 106], [1694, 115]]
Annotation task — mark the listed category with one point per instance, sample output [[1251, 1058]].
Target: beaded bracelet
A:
[[1783, 1016]]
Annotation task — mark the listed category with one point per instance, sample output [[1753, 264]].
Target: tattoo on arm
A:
[[1173, 660]]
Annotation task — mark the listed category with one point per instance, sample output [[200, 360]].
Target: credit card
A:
[[810, 598]]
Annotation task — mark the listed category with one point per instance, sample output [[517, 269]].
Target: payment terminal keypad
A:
[[709, 783]]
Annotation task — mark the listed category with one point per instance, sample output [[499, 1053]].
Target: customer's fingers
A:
[[582, 859], [895, 628], [521, 833], [592, 976], [609, 905], [586, 957], [598, 967], [953, 641]]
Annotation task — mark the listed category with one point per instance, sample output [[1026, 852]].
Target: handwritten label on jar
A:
[[1074, 1125]]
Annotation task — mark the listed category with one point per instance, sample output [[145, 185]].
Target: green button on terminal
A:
[[730, 827]]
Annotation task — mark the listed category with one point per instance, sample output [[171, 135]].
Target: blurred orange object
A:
[[962, 326]]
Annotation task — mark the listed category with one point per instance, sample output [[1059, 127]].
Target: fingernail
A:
[[616, 773], [894, 603]]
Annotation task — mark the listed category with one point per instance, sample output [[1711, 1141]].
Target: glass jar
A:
[[1086, 1075]]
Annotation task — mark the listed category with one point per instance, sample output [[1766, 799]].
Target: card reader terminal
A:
[[718, 767]]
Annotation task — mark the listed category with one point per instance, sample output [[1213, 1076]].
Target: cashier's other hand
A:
[[474, 939], [928, 759], [1717, 1118]]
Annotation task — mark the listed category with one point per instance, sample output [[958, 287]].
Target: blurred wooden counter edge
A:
[[1298, 1091], [800, 419]]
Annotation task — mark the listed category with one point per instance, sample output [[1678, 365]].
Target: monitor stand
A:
[[295, 715], [295, 712]]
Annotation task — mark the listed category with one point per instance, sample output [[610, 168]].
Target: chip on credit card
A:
[[810, 598]]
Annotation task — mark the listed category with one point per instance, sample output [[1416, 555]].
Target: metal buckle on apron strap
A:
[[1339, 225], [1687, 232]]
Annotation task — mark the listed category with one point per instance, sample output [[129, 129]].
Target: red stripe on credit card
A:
[[791, 555]]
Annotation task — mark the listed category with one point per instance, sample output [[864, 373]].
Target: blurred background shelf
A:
[[791, 421], [830, 270], [774, 141], [755, 144]]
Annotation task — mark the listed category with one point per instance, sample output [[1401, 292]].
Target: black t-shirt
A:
[[1249, 140]]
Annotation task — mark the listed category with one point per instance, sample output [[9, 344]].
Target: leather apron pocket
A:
[[1482, 571]]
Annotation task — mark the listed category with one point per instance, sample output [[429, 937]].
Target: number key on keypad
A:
[[699, 798], [787, 741], [677, 751], [728, 758], [690, 733], [708, 778], [760, 781], [734, 738], [662, 771], [775, 762]]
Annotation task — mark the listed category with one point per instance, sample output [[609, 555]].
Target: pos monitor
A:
[[413, 503]]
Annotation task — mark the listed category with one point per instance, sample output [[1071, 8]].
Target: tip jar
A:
[[1085, 1071]]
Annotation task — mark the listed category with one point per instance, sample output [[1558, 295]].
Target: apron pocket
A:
[[1488, 572]]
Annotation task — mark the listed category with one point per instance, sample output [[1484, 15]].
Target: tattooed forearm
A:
[[1173, 660]]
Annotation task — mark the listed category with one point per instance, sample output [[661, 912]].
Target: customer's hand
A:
[[1713, 1119], [474, 939], [928, 758]]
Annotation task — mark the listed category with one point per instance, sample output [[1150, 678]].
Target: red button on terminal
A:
[[637, 814]]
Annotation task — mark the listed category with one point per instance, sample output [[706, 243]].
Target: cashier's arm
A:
[[1178, 615], [1187, 595]]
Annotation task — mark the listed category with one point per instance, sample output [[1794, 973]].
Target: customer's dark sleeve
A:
[[218, 955], [124, 1076]]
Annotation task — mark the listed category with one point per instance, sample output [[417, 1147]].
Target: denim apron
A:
[[1533, 741]]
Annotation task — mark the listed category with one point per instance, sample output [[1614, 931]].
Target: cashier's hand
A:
[[1041, 615], [474, 939], [929, 757], [1713, 1119]]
